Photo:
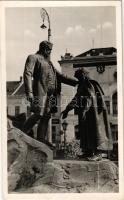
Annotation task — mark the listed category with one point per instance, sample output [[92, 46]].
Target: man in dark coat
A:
[[94, 128], [41, 93]]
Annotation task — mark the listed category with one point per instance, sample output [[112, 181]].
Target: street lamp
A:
[[44, 14], [64, 126]]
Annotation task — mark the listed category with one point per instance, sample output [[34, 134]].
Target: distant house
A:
[[16, 99]]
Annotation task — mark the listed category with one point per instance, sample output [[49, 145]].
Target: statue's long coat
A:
[[94, 127], [45, 81]]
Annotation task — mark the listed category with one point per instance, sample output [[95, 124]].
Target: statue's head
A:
[[81, 74], [45, 48]]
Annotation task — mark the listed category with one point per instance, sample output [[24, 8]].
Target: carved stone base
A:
[[26, 158], [31, 169]]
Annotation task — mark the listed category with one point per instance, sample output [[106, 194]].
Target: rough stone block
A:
[[29, 170], [26, 159]]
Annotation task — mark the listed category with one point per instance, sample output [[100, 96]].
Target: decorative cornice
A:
[[90, 61]]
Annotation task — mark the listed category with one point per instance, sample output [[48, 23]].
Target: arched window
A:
[[114, 130], [53, 134], [114, 104], [108, 106], [77, 136], [17, 110]]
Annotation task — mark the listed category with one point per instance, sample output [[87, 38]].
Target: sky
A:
[[74, 29]]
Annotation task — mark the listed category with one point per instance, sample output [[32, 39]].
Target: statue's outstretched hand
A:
[[30, 97], [64, 114]]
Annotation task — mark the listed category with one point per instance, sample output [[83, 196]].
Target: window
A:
[[53, 134], [115, 75], [17, 110], [114, 103], [114, 130], [77, 136], [108, 106], [28, 111]]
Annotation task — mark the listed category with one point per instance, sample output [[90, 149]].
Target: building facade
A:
[[101, 63]]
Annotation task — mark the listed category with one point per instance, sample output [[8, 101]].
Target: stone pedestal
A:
[[26, 159], [74, 177], [85, 176], [31, 169]]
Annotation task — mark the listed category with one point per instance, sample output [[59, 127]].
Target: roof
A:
[[15, 88], [98, 51], [21, 90], [12, 86], [94, 57], [91, 61]]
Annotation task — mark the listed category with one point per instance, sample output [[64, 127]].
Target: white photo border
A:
[[60, 196]]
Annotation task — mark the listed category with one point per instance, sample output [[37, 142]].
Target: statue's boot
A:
[[97, 157], [29, 123], [42, 131]]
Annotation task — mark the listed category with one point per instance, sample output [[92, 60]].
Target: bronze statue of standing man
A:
[[41, 80]]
